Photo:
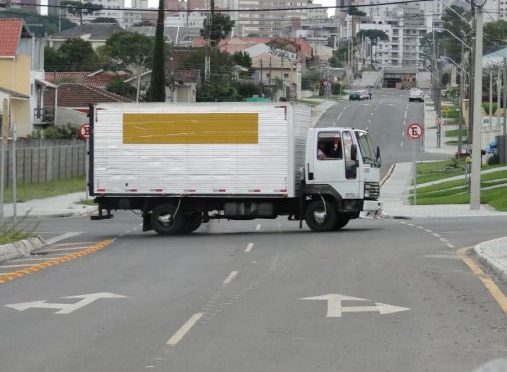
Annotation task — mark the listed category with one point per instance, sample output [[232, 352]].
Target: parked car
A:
[[354, 96], [416, 95]]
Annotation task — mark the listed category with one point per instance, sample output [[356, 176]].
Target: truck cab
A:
[[343, 169]]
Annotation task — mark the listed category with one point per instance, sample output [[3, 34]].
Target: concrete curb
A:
[[86, 211], [20, 248], [494, 254]]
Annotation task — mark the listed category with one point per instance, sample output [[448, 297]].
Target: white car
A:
[[364, 94], [416, 95]]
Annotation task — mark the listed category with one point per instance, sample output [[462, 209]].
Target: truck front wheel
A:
[[166, 220], [320, 218]]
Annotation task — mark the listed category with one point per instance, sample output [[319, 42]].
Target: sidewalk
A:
[[430, 133], [58, 206]]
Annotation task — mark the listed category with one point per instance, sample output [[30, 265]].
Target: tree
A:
[[78, 8], [242, 59], [310, 80], [218, 30], [460, 28], [78, 52], [157, 87], [495, 35], [373, 35], [354, 11], [54, 60], [339, 58], [130, 49], [104, 20], [40, 25], [121, 88], [143, 24]]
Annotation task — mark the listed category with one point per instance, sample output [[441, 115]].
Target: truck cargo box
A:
[[214, 149]]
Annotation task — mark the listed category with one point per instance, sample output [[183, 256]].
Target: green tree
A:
[[339, 58], [373, 35], [40, 25], [242, 59], [79, 53], [219, 29], [121, 88], [78, 8], [310, 80], [130, 49], [354, 11], [456, 25], [104, 20], [54, 60], [495, 35], [157, 86]]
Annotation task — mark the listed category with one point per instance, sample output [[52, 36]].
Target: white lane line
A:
[[428, 231], [62, 237], [401, 144], [403, 133], [258, 227], [436, 235], [75, 243], [420, 227], [231, 276], [450, 245], [443, 240], [48, 257], [249, 247], [184, 329], [9, 266], [339, 116]]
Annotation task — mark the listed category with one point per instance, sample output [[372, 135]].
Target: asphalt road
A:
[[234, 295]]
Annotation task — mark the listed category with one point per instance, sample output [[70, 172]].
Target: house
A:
[[98, 79], [96, 33], [22, 84], [72, 101]]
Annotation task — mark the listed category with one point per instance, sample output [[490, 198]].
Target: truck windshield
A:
[[366, 147]]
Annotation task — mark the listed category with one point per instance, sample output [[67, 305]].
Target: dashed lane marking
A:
[[249, 247], [490, 285], [258, 227], [178, 336], [62, 237], [450, 245], [230, 278], [55, 261]]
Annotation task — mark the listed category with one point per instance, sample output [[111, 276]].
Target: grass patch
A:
[[455, 133], [456, 192], [41, 190], [11, 232], [309, 102], [437, 170]]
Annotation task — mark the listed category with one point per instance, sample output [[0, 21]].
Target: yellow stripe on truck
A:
[[191, 128]]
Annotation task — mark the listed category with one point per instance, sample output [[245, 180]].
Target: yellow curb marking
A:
[[52, 262], [490, 285]]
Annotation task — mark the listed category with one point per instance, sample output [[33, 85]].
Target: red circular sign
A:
[[84, 131], [414, 131]]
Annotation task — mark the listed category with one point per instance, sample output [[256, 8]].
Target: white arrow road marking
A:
[[335, 308], [86, 299], [62, 237]]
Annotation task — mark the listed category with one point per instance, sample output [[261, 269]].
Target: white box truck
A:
[[182, 165]]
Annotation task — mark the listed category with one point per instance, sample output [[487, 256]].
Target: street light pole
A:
[[475, 184]]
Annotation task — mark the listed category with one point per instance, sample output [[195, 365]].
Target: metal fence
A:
[[44, 160]]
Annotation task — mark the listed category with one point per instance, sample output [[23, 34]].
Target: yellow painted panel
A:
[[191, 128]]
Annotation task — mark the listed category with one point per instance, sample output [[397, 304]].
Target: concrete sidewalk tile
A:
[[20, 248]]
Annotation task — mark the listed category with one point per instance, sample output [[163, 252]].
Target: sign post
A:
[[84, 132], [414, 132]]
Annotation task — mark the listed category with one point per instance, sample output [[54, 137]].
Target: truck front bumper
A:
[[372, 208]]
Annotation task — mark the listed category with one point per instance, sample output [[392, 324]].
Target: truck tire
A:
[[191, 223], [329, 222], [163, 221], [341, 221]]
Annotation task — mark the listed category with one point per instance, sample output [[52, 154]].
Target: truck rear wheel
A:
[[319, 218], [164, 221]]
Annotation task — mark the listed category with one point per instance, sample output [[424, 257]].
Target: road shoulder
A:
[[493, 253]]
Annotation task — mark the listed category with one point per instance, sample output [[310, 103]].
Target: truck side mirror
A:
[[353, 152]]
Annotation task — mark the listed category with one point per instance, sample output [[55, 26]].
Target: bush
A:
[[337, 89], [486, 107], [121, 88], [55, 132], [494, 159]]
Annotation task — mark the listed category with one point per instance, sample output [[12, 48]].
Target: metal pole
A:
[[490, 99], [2, 175], [460, 102], [414, 172], [475, 189], [498, 96], [87, 166], [14, 175]]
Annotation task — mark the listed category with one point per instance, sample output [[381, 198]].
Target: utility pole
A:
[[436, 89], [471, 98], [460, 100], [490, 98], [498, 95], [475, 184]]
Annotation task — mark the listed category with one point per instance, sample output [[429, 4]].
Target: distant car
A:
[[416, 95], [354, 96], [364, 94]]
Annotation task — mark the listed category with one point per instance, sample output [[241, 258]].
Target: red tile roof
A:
[[79, 96], [99, 79], [10, 29]]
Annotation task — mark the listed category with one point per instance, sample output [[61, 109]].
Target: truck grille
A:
[[371, 190]]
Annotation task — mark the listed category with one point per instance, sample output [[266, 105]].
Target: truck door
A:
[[333, 164]]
